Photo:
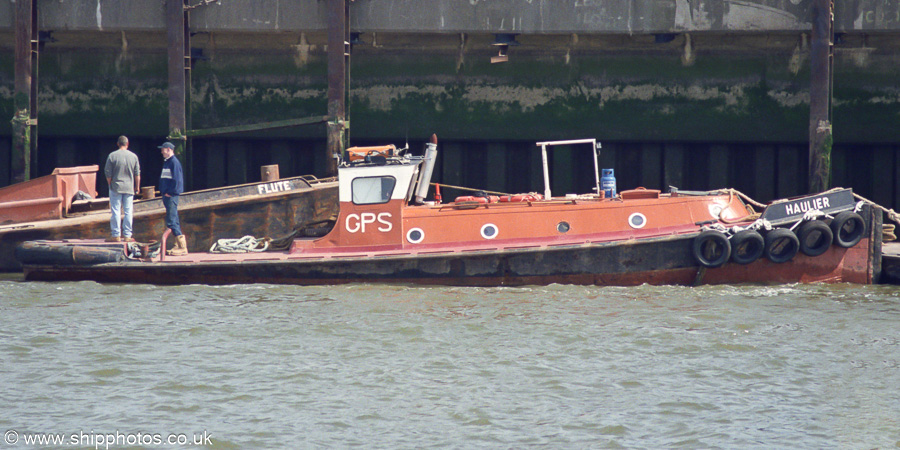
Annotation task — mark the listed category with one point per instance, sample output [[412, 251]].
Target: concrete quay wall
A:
[[439, 16]]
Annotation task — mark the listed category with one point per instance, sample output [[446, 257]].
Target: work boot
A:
[[180, 247], [114, 239]]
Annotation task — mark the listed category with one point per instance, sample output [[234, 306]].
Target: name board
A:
[[793, 210], [357, 222], [277, 186]]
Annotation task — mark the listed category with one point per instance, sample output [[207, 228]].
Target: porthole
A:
[[415, 235], [563, 227], [637, 220], [489, 231]]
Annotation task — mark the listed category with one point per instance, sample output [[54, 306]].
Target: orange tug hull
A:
[[387, 233], [366, 247]]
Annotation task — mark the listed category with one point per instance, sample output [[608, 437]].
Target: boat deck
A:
[[390, 251]]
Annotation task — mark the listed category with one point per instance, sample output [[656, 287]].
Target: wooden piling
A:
[[338, 53], [175, 35], [21, 136], [820, 60]]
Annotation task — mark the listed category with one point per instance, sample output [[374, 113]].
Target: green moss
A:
[[635, 97]]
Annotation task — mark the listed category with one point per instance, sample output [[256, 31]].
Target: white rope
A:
[[890, 212], [756, 226], [715, 227], [243, 245], [812, 214], [134, 251]]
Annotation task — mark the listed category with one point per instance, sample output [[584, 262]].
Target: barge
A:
[[64, 206]]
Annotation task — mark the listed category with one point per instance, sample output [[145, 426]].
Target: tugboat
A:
[[388, 232]]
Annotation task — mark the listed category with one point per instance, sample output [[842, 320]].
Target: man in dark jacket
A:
[[171, 184]]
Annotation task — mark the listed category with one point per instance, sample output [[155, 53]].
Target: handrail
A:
[[543, 145]]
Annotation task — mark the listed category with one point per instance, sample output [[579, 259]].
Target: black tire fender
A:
[[848, 228], [747, 246], [815, 238], [781, 245], [711, 249]]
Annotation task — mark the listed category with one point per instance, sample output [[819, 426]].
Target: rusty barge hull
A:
[[267, 209], [658, 261]]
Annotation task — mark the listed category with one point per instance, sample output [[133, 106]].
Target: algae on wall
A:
[[730, 95]]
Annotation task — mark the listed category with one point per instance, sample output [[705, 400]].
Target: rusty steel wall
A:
[[438, 16]]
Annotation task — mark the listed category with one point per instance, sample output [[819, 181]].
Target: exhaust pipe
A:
[[427, 167]]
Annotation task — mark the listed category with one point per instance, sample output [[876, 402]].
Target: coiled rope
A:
[[887, 232], [135, 250], [245, 244]]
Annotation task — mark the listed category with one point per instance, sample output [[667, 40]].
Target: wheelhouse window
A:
[[372, 190]]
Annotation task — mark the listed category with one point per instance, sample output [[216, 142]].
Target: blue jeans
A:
[[171, 204], [121, 204]]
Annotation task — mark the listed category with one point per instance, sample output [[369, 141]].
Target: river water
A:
[[265, 366]]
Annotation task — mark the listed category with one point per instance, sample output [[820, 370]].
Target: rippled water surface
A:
[[267, 366]]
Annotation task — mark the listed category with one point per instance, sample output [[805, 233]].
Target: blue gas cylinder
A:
[[608, 183]]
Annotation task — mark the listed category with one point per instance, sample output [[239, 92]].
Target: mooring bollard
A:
[[269, 173]]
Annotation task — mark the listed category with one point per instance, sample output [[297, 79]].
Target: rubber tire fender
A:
[[844, 238], [821, 244], [752, 241], [721, 246], [776, 237]]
